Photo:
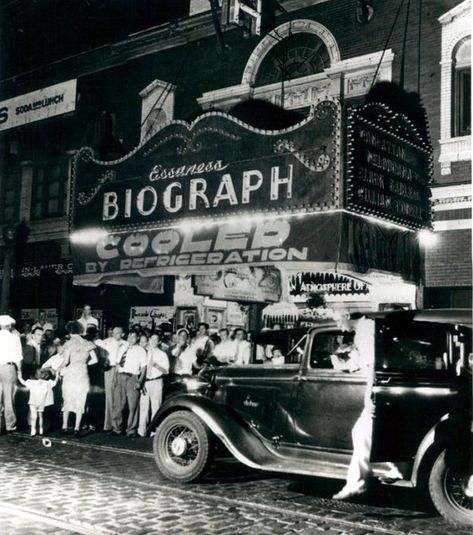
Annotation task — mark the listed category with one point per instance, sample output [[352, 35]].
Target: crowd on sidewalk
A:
[[59, 369]]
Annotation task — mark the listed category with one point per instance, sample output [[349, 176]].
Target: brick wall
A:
[[448, 263]]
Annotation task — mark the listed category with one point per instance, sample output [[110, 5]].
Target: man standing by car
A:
[[114, 347], [10, 361], [202, 345], [362, 358], [244, 347], [127, 386], [151, 382], [226, 350]]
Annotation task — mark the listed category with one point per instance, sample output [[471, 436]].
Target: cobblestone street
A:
[[106, 485]]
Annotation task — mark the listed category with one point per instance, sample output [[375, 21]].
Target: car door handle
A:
[[301, 379], [384, 381]]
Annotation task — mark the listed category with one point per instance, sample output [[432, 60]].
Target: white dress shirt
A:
[[85, 322], [184, 361], [46, 326], [226, 351], [10, 345], [156, 357], [135, 360], [114, 349], [243, 353]]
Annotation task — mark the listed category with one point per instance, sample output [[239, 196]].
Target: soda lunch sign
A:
[[41, 104], [215, 166]]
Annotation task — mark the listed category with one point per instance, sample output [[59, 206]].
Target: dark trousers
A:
[[124, 393]]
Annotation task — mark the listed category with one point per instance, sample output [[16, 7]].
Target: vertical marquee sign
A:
[[388, 167]]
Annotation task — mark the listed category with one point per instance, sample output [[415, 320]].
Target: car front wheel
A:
[[451, 493], [182, 447]]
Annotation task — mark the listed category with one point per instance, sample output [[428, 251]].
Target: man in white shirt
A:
[[87, 319], [127, 386], [10, 362], [184, 354], [226, 350], [202, 345], [363, 357], [152, 383], [114, 347], [43, 322], [243, 347]]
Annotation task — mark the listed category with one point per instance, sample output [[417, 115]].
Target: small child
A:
[[41, 395]]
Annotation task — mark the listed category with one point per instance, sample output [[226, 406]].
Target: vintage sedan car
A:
[[297, 417]]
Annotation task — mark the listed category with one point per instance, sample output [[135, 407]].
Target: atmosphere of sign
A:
[[215, 166], [37, 105]]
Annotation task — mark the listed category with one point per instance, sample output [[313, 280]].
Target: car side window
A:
[[294, 355], [333, 351], [413, 346]]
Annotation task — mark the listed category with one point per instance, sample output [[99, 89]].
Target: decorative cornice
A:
[[456, 11]]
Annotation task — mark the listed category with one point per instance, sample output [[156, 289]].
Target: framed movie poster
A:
[[215, 318], [187, 317]]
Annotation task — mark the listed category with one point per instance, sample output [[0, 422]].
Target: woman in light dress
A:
[[75, 382]]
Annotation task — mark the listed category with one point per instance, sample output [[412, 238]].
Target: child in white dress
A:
[[41, 396]]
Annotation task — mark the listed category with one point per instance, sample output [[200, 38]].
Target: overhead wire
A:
[[386, 44], [419, 44], [404, 43]]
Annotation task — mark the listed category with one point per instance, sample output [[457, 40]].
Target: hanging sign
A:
[[389, 167], [326, 283], [215, 166], [252, 284], [287, 242], [151, 316], [37, 105]]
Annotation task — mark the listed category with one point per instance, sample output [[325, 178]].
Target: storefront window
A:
[[462, 84], [49, 189]]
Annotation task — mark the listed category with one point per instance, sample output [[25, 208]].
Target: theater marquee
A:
[[213, 167], [388, 167]]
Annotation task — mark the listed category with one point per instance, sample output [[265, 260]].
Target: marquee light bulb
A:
[[427, 238], [88, 236]]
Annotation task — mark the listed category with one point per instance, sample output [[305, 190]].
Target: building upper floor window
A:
[[10, 198], [297, 55], [49, 192], [462, 88]]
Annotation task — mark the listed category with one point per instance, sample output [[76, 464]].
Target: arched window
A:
[[462, 88], [297, 55]]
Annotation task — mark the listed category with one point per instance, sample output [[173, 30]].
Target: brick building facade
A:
[[178, 69]]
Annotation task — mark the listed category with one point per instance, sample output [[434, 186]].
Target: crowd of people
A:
[[57, 370]]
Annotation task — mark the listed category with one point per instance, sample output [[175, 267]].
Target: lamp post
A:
[[9, 240], [15, 237]]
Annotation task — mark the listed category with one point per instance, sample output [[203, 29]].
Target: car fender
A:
[[239, 438], [436, 436]]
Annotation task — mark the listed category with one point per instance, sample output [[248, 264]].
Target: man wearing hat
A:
[[10, 361]]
